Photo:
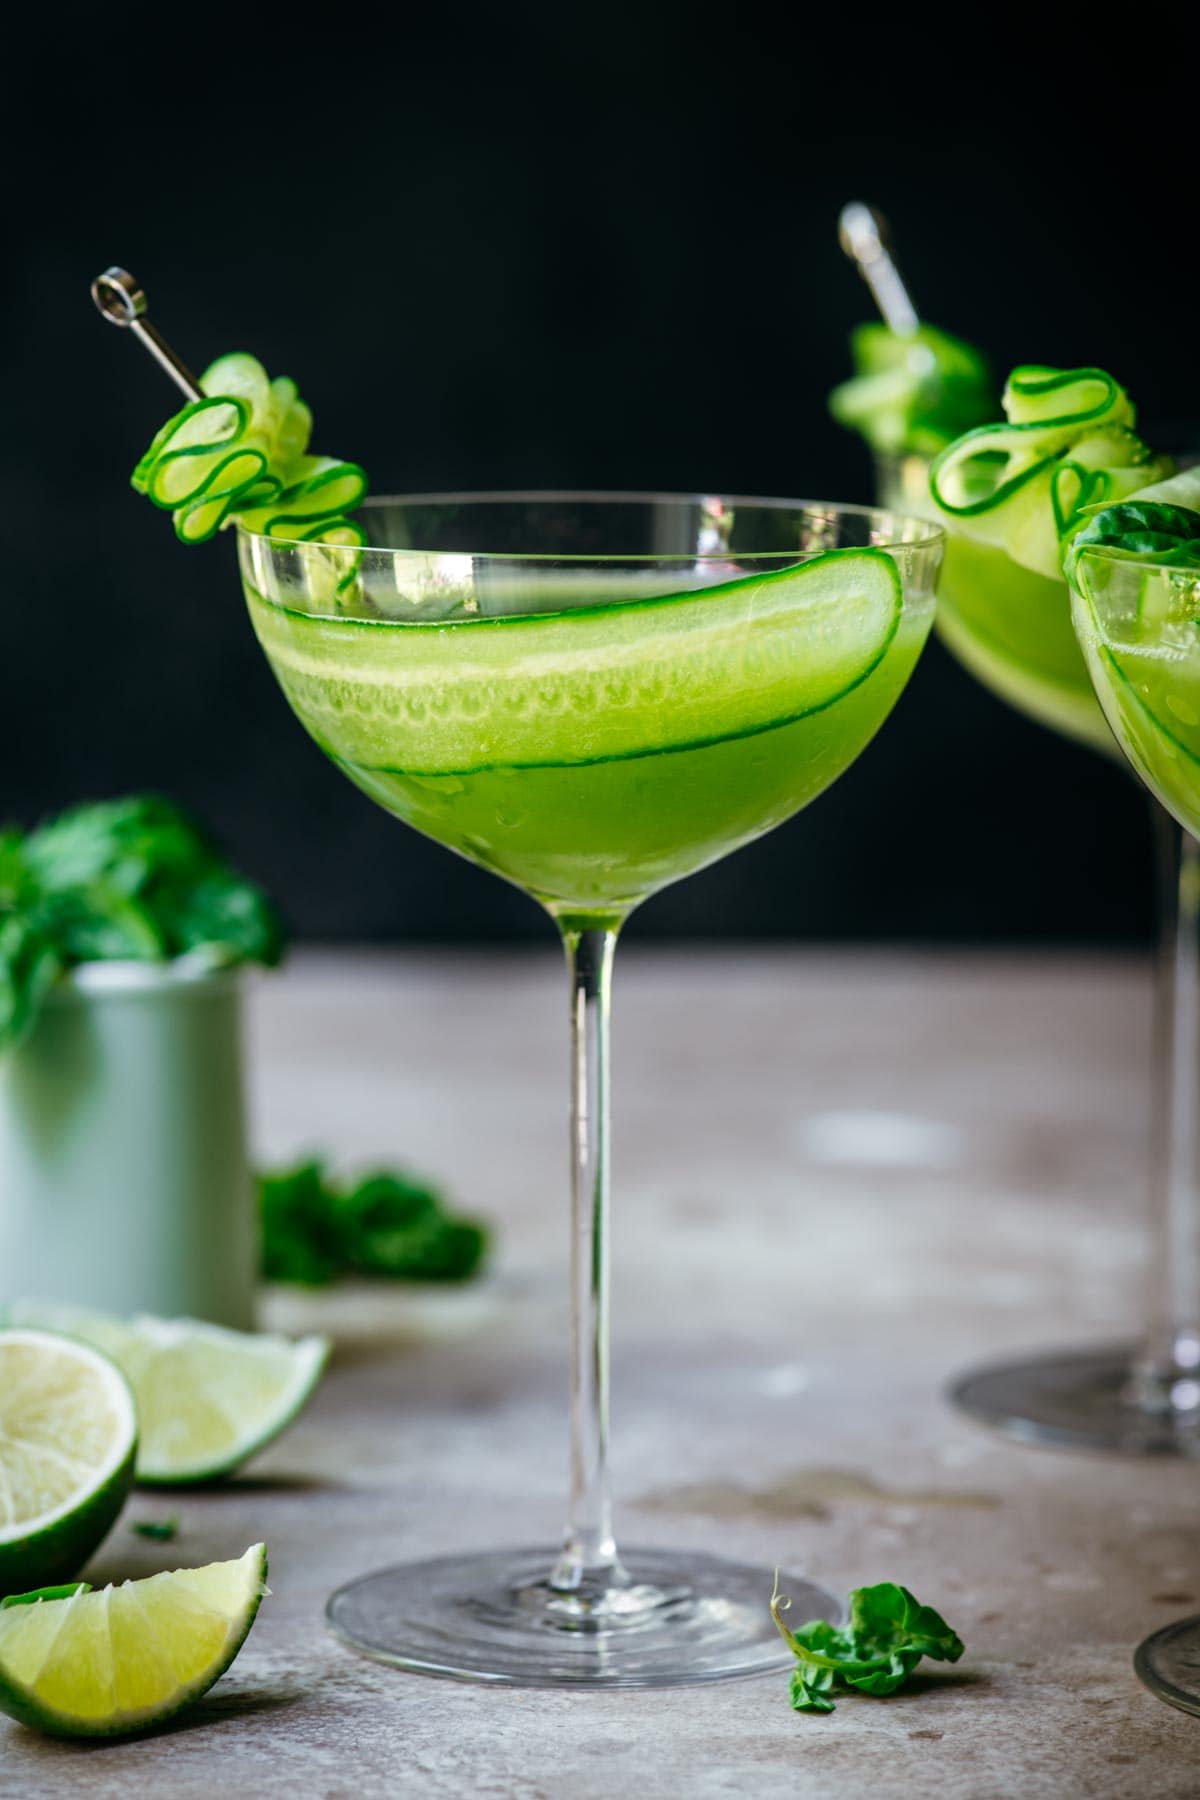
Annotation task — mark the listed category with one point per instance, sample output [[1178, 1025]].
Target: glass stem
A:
[[1170, 1369], [589, 1567]]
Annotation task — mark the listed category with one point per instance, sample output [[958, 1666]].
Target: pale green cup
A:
[[125, 1181]]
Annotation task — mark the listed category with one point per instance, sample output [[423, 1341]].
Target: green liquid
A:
[[1012, 629], [592, 756], [1150, 692]]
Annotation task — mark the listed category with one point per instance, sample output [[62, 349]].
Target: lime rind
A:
[[66, 1591], [47, 1546], [120, 1623]]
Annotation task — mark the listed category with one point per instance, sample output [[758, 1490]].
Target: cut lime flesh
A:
[[208, 1399], [109, 1663], [68, 1438]]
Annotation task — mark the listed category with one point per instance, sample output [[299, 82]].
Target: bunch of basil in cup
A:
[[123, 1153]]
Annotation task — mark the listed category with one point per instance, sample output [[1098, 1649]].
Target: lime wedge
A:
[[68, 1436], [103, 1664], [207, 1399]]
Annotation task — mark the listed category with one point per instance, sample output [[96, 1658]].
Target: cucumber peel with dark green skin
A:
[[240, 455], [1066, 448]]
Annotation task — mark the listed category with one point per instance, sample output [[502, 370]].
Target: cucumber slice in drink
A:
[[106, 1664], [602, 682], [1140, 632]]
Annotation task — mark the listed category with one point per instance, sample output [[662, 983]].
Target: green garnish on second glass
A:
[[1165, 533], [887, 1633], [913, 393], [1012, 495]]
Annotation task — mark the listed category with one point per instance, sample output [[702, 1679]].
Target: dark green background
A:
[[550, 247]]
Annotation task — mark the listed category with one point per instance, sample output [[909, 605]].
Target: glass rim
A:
[[1139, 559], [927, 534]]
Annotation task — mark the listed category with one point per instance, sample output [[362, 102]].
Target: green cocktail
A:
[[591, 696], [593, 736], [1135, 581], [1016, 498]]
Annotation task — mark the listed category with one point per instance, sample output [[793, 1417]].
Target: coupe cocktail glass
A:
[[1011, 628], [592, 696], [1138, 625]]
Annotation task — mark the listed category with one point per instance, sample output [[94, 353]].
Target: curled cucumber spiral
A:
[[241, 455], [1026, 486]]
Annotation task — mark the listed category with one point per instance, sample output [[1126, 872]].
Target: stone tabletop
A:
[[839, 1178]]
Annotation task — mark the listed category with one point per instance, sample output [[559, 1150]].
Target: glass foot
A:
[[676, 1617], [1169, 1664], [1086, 1400]]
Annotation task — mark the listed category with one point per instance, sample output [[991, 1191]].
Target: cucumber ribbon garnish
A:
[[915, 392], [1068, 448], [241, 454]]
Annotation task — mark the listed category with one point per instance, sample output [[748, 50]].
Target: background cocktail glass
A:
[[1138, 625], [1011, 628], [591, 695]]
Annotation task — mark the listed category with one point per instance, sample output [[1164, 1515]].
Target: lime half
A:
[[68, 1436], [101, 1665], [207, 1399]]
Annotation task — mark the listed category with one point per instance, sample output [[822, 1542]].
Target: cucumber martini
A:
[[1134, 571], [1135, 585], [591, 696], [601, 696], [1015, 496], [593, 733]]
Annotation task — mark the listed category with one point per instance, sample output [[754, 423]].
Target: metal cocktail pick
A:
[[863, 235], [121, 301]]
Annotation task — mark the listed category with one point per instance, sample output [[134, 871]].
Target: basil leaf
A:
[[885, 1636], [1152, 529], [29, 966], [315, 1229], [131, 878]]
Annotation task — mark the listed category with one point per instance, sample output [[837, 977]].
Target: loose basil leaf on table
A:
[[885, 1636]]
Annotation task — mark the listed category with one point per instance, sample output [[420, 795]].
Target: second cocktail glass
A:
[[1011, 627], [592, 696], [1138, 625]]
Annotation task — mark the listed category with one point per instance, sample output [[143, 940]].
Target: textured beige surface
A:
[[793, 1286]]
